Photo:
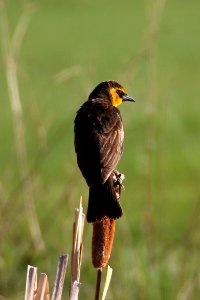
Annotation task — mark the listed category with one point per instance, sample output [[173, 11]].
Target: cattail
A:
[[104, 231], [102, 241]]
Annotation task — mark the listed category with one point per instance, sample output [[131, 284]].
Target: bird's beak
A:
[[127, 98]]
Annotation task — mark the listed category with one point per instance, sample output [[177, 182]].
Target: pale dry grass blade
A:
[[67, 74], [60, 277], [43, 288], [77, 249], [154, 15], [75, 290], [19, 130], [107, 283], [31, 283], [190, 287], [3, 197], [21, 28], [41, 127]]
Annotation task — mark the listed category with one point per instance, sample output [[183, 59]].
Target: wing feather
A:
[[99, 139], [111, 147]]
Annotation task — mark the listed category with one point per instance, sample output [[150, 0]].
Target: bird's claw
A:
[[118, 180]]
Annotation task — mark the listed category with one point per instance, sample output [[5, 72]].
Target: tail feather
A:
[[103, 202]]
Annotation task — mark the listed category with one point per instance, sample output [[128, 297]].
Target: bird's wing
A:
[[99, 139], [110, 146]]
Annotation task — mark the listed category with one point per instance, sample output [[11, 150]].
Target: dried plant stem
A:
[[31, 283], [155, 9], [75, 290], [154, 13], [21, 28], [98, 284], [43, 288], [19, 127], [67, 74], [77, 252], [60, 277]]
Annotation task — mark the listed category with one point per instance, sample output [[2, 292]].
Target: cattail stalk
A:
[[104, 231], [77, 249], [103, 236], [98, 284]]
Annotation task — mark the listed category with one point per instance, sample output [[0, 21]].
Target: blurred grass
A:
[[106, 41]]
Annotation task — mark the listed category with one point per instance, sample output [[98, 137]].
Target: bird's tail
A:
[[103, 202]]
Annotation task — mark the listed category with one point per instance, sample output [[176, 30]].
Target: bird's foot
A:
[[118, 180]]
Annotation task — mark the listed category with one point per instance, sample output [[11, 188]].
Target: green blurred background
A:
[[152, 48]]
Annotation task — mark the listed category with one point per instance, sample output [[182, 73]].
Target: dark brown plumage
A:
[[99, 140]]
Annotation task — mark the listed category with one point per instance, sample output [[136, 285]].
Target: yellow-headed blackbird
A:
[[99, 138]]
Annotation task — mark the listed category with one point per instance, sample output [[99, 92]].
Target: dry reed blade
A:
[[19, 130], [60, 277], [75, 290], [43, 288], [77, 252], [31, 283], [67, 74], [21, 28], [107, 283]]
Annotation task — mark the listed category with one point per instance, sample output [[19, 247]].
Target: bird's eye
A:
[[120, 93]]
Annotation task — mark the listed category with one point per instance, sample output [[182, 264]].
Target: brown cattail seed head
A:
[[104, 230], [102, 241]]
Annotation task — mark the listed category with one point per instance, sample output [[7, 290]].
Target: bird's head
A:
[[112, 91]]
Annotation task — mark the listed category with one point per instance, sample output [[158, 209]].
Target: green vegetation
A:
[[156, 249]]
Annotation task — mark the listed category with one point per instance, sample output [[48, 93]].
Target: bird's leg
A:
[[118, 180]]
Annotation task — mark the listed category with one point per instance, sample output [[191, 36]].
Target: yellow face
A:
[[116, 98]]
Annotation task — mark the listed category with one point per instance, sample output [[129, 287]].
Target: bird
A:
[[99, 142]]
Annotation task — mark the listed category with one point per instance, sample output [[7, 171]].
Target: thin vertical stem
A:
[[43, 288], [60, 277], [31, 283], [19, 130], [77, 249], [98, 284], [154, 13]]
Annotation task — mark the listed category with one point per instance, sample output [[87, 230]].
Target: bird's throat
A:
[[115, 98]]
